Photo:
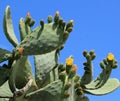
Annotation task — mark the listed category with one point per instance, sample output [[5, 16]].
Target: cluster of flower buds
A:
[[109, 60], [90, 55], [29, 21]]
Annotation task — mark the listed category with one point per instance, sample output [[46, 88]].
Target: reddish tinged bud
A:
[[74, 69], [57, 13], [28, 14], [20, 51]]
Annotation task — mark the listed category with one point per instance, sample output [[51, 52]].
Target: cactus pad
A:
[[5, 91], [4, 74], [52, 92], [8, 27], [21, 69], [109, 86], [43, 65], [4, 55], [45, 38]]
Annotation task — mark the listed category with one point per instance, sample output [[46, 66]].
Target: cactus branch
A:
[[8, 27], [110, 86], [87, 77]]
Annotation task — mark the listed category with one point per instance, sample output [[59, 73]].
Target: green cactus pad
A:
[[6, 99], [44, 39], [8, 27], [52, 92], [105, 74], [5, 91], [22, 29], [71, 91], [4, 55], [111, 85], [43, 65], [20, 73], [4, 75], [107, 67], [99, 81]]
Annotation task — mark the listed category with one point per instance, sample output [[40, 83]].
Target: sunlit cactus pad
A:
[[46, 37]]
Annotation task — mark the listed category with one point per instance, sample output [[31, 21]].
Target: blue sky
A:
[[96, 27]]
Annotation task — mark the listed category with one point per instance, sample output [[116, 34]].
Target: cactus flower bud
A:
[[70, 29], [79, 91], [110, 57], [115, 66], [67, 85], [76, 78], [56, 18], [61, 68], [62, 76], [85, 53], [105, 61], [88, 57], [102, 65], [20, 51], [66, 94], [57, 13], [42, 24], [28, 14], [77, 85], [91, 52], [71, 21], [49, 19], [73, 71], [28, 18], [66, 32], [69, 61]]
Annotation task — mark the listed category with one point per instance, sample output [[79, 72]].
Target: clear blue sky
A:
[[96, 26]]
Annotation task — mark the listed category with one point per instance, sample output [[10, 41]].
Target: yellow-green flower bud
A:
[[110, 57]]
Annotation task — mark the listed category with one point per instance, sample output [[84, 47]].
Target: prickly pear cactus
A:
[[53, 80]]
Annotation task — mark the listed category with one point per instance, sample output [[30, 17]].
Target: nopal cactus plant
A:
[[53, 80]]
